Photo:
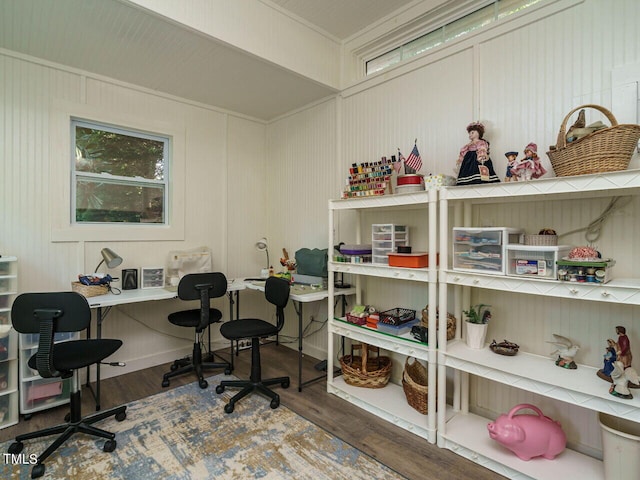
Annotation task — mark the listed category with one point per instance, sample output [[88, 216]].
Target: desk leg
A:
[[96, 394], [298, 307]]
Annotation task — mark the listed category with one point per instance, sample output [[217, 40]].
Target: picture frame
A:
[[152, 277]]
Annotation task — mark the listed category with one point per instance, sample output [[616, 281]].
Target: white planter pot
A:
[[476, 334]]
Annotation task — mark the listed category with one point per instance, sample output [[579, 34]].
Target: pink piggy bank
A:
[[528, 436]]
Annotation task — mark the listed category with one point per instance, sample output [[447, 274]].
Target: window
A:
[[118, 175], [473, 21]]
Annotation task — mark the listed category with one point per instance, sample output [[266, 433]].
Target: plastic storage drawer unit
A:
[[483, 250], [385, 238], [535, 261]]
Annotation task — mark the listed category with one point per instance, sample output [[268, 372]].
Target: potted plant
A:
[[477, 320]]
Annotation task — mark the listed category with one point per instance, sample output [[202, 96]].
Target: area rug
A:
[[184, 434]]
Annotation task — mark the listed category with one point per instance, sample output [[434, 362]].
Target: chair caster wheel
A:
[[15, 447], [203, 384], [38, 470], [109, 446], [174, 367], [67, 417], [121, 416], [275, 403], [228, 408], [227, 371], [285, 384], [219, 389], [165, 382]]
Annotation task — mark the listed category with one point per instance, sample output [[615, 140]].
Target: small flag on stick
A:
[[413, 163], [397, 165]]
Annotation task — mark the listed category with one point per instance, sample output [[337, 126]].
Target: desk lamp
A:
[[111, 258], [261, 245]]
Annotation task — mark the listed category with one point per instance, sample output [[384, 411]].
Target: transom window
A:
[[119, 175], [471, 22]]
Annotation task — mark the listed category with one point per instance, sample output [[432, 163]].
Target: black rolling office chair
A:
[[47, 314], [276, 291], [203, 287]]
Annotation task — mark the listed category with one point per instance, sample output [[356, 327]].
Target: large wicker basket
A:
[[606, 150], [365, 371], [89, 290], [414, 384]]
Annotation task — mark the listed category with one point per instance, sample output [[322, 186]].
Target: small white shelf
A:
[[621, 290], [404, 344], [388, 403], [466, 434], [539, 374], [385, 271], [404, 200]]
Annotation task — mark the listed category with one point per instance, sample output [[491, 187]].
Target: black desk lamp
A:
[[110, 258]]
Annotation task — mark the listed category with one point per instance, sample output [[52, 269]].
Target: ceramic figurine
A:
[[621, 378], [530, 166], [610, 356], [565, 351], [624, 347], [511, 160], [474, 165]]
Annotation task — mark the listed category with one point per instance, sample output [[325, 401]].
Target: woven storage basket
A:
[[364, 371], [451, 322], [89, 290], [541, 240], [606, 150], [414, 384]]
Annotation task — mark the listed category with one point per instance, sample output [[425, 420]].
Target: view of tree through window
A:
[[119, 175]]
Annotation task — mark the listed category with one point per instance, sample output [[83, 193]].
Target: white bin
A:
[[620, 446]]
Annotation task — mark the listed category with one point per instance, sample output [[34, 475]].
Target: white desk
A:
[[109, 300], [301, 294]]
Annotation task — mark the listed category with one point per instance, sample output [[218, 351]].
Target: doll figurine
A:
[[511, 160], [610, 356], [624, 347], [474, 165], [530, 166], [622, 379]]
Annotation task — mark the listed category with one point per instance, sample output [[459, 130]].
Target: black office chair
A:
[[48, 314], [203, 287], [276, 291]]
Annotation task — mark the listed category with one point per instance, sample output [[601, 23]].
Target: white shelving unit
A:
[[389, 402], [466, 433], [8, 343]]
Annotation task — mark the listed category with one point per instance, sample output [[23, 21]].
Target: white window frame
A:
[[116, 179], [63, 225]]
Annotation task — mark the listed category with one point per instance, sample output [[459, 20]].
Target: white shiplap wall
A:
[[520, 78], [224, 154]]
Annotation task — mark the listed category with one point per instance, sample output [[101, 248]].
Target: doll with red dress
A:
[[530, 166]]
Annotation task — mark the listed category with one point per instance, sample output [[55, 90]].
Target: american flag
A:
[[399, 163], [414, 161]]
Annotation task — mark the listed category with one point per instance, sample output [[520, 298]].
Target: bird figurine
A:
[[621, 378], [565, 351]]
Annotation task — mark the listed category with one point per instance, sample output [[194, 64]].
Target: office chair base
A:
[[250, 387], [83, 425], [195, 365]]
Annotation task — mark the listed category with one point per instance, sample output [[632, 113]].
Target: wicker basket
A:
[[366, 372], [89, 290], [451, 322], [414, 384], [606, 150], [541, 240]]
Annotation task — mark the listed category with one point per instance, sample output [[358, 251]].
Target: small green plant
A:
[[478, 314]]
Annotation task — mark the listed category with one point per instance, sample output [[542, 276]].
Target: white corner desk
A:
[[103, 304]]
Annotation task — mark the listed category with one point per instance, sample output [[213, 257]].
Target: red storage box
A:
[[409, 260]]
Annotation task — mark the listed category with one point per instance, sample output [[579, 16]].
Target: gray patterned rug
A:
[[184, 434]]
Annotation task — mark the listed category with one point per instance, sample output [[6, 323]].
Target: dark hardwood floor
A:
[[411, 456]]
